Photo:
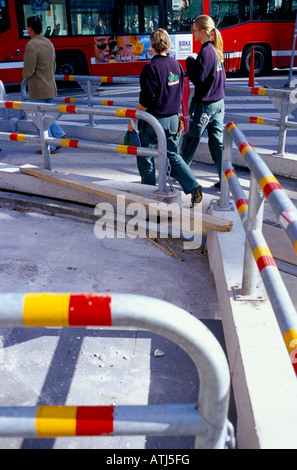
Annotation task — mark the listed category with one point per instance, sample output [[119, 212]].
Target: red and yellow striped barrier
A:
[[268, 184], [258, 91], [42, 309], [53, 421], [256, 120], [242, 204], [17, 137]]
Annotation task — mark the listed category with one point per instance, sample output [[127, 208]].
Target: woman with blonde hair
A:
[[207, 106]]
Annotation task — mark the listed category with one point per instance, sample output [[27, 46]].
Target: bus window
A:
[[151, 17], [87, 21], [53, 16], [4, 16], [181, 13], [230, 13], [128, 20], [274, 9]]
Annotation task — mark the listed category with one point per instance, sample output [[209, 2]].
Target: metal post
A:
[[284, 111], [44, 146], [254, 222], [89, 91], [224, 202]]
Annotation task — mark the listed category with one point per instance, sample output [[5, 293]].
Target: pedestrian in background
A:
[[161, 85], [39, 69], [206, 110]]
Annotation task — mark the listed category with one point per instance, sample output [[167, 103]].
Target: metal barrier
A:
[[89, 85], [207, 419], [251, 214], [285, 102], [44, 114]]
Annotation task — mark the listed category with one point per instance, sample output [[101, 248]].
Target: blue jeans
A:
[[215, 130], [179, 169], [54, 129]]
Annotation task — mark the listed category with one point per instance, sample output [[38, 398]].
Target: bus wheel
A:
[[262, 60], [70, 65]]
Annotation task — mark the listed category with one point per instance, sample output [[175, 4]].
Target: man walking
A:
[[39, 69]]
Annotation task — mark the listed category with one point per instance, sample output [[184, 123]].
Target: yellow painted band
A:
[[104, 79], [71, 78], [122, 149], [54, 421], [21, 137], [121, 112], [262, 91], [260, 120], [16, 105], [231, 125], [267, 179], [290, 339], [46, 309], [247, 148], [230, 174], [104, 102], [261, 251], [65, 142], [62, 108], [72, 100], [295, 246], [242, 208]]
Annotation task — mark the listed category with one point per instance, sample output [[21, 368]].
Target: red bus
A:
[[111, 37]]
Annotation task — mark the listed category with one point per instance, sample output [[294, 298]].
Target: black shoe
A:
[[196, 195], [217, 185], [52, 152]]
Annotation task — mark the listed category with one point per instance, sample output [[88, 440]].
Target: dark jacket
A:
[[207, 74], [161, 86]]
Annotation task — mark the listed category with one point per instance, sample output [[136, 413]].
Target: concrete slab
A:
[[95, 365]]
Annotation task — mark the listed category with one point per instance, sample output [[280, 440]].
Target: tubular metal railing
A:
[[285, 102], [257, 254], [206, 419], [43, 115]]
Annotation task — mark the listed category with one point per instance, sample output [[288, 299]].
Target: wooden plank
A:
[[279, 244], [208, 221]]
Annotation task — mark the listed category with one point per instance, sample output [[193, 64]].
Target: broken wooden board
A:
[[208, 221], [279, 244]]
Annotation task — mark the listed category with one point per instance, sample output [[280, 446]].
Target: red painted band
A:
[[242, 145], [253, 119], [269, 187], [9, 104], [13, 136], [130, 113], [90, 310], [265, 261], [71, 109], [254, 91], [94, 421], [66, 77], [132, 150], [240, 202], [73, 143], [229, 170]]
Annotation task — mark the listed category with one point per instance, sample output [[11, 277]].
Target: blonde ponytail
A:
[[218, 44]]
